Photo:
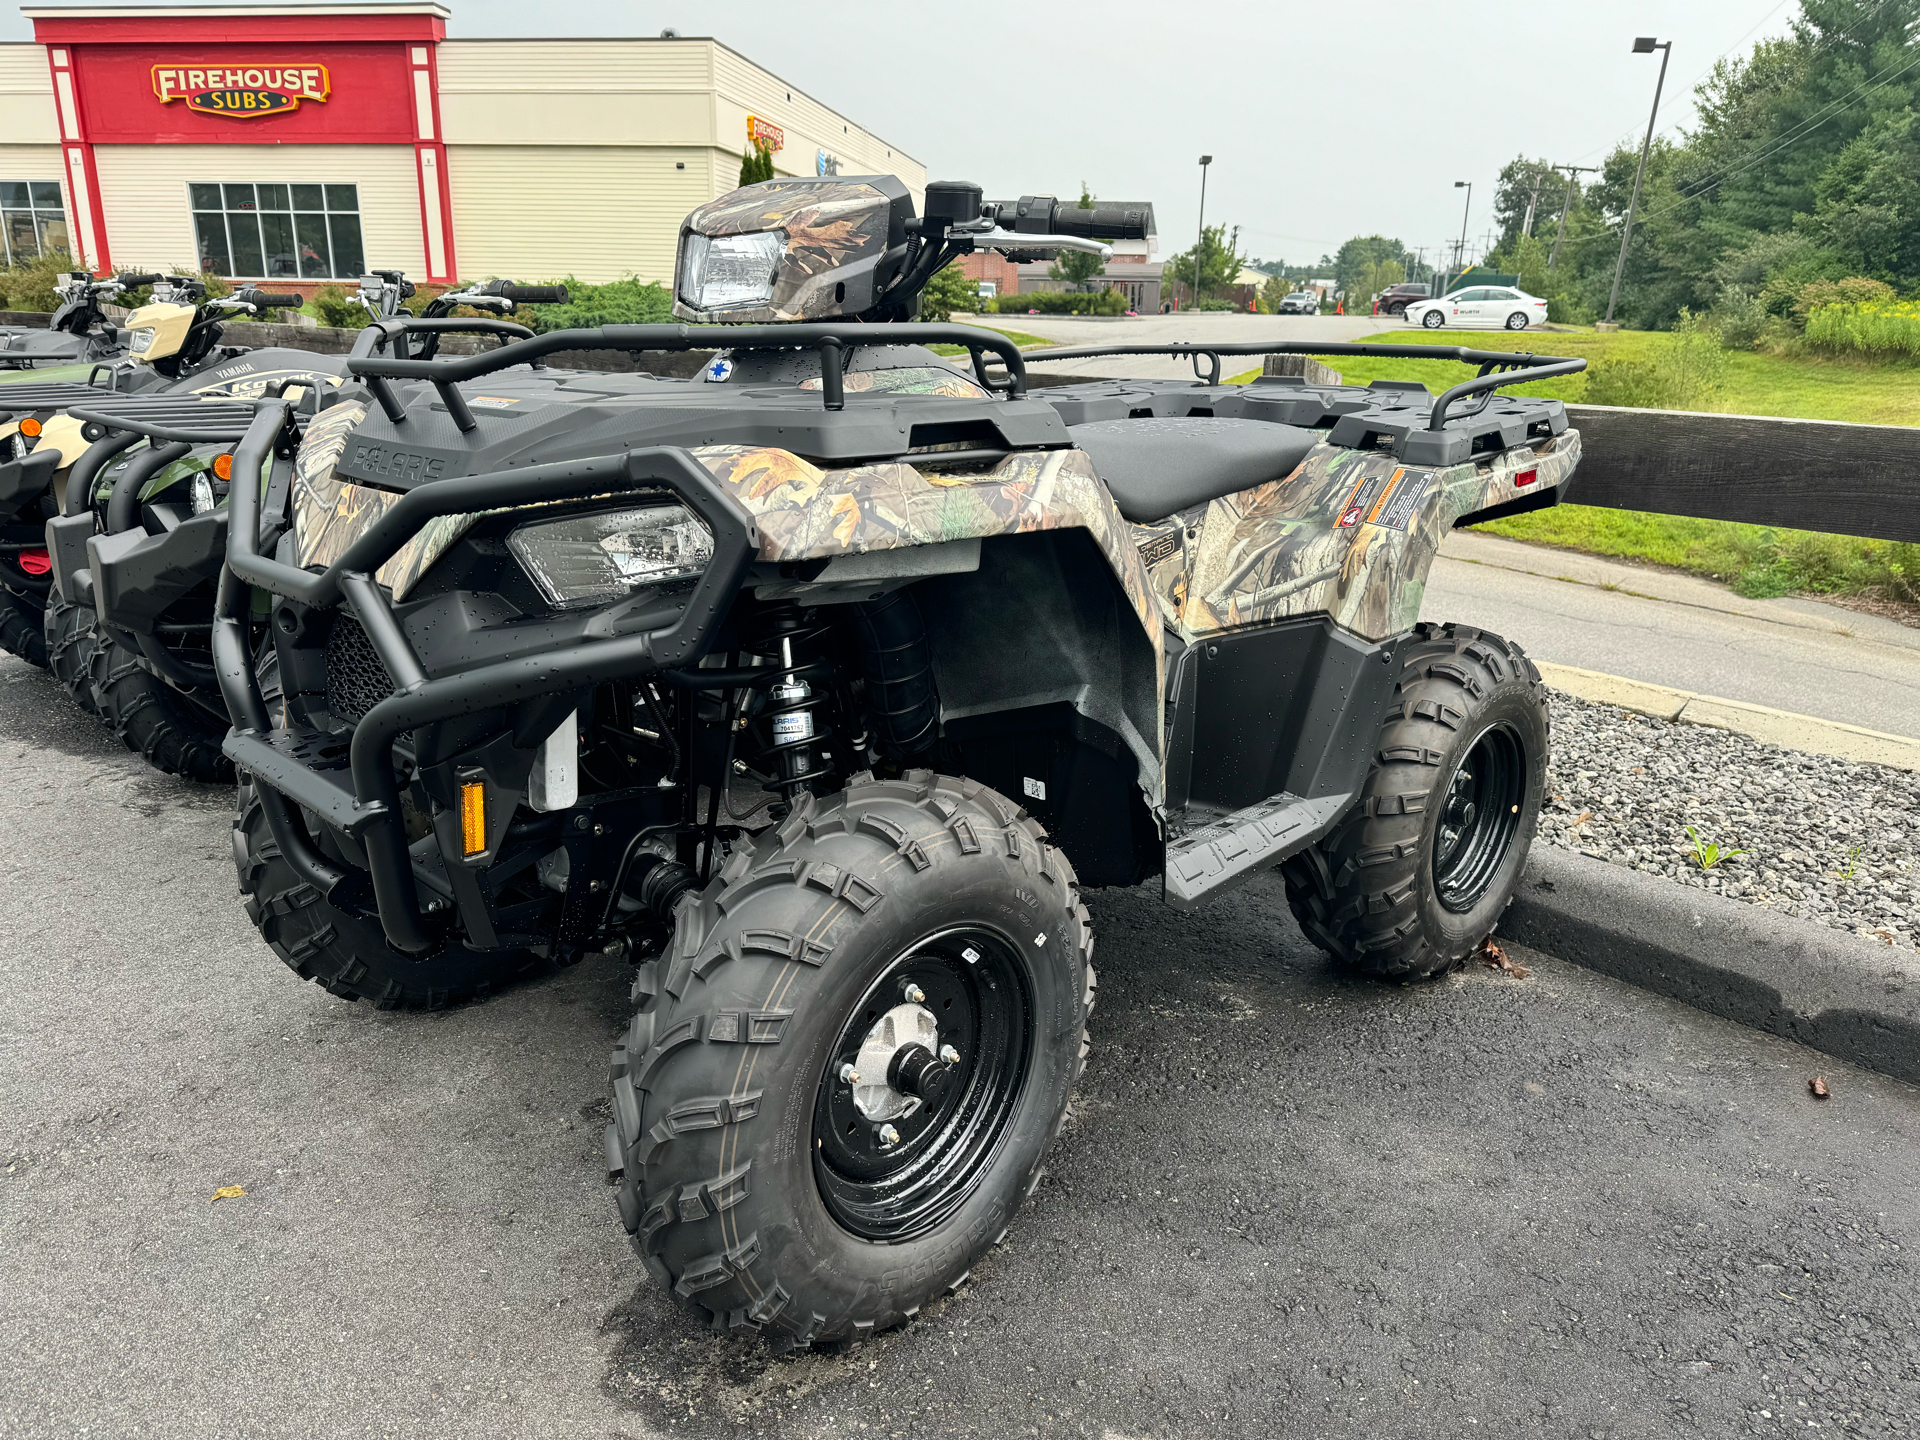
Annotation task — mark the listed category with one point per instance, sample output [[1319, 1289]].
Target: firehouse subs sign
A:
[[241, 91]]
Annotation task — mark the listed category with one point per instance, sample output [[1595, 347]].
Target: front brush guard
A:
[[370, 811]]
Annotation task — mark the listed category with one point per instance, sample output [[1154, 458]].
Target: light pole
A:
[[1201, 238], [1643, 45], [1567, 202], [1461, 244]]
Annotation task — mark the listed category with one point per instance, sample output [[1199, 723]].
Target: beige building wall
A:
[[143, 191], [26, 101], [581, 157]]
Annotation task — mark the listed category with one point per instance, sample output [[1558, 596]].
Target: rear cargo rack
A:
[[166, 417], [832, 340], [1498, 368]]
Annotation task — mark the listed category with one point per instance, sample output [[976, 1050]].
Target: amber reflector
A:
[[223, 467], [29, 426], [473, 818]]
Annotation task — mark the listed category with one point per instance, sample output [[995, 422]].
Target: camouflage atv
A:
[[819, 688], [137, 536]]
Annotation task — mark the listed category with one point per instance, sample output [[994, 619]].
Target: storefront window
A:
[[278, 232], [32, 219]]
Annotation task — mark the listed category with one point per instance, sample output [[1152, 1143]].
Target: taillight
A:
[[1525, 477]]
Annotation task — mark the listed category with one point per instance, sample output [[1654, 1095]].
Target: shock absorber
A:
[[793, 746]]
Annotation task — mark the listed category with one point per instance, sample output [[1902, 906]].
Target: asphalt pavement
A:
[[1287, 1203]]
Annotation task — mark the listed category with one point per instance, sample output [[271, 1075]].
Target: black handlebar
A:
[[1045, 215], [133, 282], [271, 302], [535, 294]]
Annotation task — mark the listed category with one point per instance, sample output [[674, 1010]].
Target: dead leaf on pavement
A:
[[229, 1193], [1584, 816], [1819, 1085], [1493, 957]]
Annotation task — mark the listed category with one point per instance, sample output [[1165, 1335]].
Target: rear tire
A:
[[151, 717], [736, 1139], [70, 642], [348, 956], [1517, 321], [1414, 879], [23, 626]]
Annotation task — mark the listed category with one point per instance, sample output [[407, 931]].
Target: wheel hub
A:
[[1480, 818], [897, 1064]]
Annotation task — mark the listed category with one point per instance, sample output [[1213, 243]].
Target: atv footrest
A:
[[1237, 847], [308, 768]]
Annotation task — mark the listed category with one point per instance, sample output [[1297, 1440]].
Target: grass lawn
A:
[[1755, 560], [1019, 337], [44, 373]]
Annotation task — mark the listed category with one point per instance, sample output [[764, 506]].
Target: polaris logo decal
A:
[[242, 91], [390, 464]]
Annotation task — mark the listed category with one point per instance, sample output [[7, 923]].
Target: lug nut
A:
[[848, 1075], [888, 1136], [950, 1055], [914, 994]]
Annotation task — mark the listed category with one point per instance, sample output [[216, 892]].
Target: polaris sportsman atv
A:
[[126, 629], [820, 687]]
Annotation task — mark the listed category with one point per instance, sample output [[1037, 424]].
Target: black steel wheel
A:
[[841, 1079], [1418, 873], [919, 1089], [1480, 817]]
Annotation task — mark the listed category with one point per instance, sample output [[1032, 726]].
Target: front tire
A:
[[347, 955], [1415, 877], [1433, 320], [756, 1176], [23, 626], [172, 731], [71, 640]]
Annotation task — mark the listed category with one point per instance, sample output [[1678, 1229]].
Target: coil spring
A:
[[780, 634]]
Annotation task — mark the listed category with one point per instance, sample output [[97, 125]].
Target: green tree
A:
[[947, 292], [1274, 290], [1521, 181], [1359, 259], [757, 164], [1220, 261]]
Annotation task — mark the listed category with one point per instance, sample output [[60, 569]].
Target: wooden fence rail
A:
[[1823, 475]]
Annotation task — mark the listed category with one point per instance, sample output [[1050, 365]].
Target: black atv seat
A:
[[1155, 467]]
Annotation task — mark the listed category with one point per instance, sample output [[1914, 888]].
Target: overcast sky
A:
[[1324, 121]]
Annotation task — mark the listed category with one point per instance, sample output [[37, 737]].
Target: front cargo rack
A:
[[832, 340]]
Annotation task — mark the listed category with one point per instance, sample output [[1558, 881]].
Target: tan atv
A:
[[820, 687]]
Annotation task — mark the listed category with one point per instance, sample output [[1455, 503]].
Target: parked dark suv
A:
[[1396, 298]]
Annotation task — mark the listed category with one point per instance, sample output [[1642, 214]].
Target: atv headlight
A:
[[723, 270], [587, 559]]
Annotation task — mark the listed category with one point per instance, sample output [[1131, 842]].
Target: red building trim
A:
[[381, 94]]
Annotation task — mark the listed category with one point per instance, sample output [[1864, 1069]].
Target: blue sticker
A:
[[719, 368]]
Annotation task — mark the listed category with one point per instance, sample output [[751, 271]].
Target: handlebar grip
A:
[[1105, 222], [275, 302], [535, 294], [132, 281]]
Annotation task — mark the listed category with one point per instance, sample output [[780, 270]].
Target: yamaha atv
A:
[[134, 559], [821, 687]]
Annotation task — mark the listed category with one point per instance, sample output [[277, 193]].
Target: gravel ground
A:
[[1825, 839]]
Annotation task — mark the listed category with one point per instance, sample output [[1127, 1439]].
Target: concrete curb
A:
[[1824, 988], [1764, 723]]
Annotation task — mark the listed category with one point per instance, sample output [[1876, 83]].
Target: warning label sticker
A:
[[1402, 499], [1362, 497]]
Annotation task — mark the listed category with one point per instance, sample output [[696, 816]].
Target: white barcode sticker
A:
[[1033, 788]]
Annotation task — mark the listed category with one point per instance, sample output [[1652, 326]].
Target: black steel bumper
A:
[[364, 801]]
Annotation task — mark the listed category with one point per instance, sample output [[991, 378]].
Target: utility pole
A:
[[1527, 223], [1461, 244], [1201, 239], [1567, 202], [1643, 45]]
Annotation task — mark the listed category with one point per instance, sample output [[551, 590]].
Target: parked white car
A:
[[1496, 307]]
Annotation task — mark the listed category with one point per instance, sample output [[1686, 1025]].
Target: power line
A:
[[1800, 132]]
